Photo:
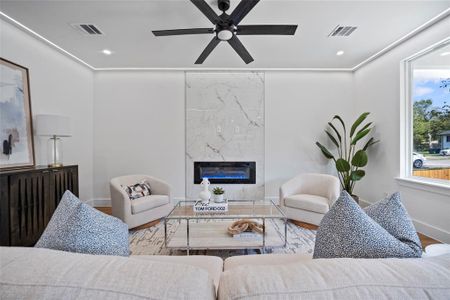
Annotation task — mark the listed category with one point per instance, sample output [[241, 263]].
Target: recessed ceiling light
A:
[[339, 53], [445, 53], [107, 52]]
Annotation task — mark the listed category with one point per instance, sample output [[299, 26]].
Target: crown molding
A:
[[404, 38], [40, 37], [231, 69]]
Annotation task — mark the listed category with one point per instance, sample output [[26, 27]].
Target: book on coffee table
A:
[[210, 207], [248, 236]]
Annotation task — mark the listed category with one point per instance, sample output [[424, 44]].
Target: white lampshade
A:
[[52, 125]]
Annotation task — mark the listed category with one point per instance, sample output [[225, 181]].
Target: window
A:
[[428, 106]]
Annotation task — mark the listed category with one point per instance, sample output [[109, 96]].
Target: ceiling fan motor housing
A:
[[225, 31], [223, 4]]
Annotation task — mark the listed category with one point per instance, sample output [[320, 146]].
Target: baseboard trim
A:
[[364, 203], [275, 199], [432, 231], [90, 202], [102, 202], [98, 202]]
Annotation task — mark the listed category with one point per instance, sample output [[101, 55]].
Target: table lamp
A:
[[55, 127]]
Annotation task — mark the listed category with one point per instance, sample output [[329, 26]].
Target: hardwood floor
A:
[[105, 210], [304, 225], [425, 240]]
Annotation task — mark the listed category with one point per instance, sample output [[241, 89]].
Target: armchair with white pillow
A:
[[308, 197], [142, 210]]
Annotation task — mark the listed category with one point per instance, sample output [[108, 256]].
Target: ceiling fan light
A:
[[224, 35]]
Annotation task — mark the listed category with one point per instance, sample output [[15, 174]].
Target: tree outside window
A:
[[431, 114]]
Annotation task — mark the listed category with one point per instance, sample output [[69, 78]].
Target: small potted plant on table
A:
[[218, 194]]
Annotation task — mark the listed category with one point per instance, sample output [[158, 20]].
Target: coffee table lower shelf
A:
[[214, 235]]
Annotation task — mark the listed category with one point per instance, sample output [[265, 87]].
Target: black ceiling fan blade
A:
[[206, 10], [240, 49], [214, 42], [182, 31], [266, 29], [243, 8]]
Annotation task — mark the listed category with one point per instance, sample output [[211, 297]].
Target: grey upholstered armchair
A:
[[308, 197], [142, 210]]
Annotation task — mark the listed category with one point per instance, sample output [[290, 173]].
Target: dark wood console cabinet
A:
[[28, 199]]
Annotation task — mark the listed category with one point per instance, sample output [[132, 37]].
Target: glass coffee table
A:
[[206, 230]]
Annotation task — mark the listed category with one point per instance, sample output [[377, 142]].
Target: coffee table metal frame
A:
[[225, 216]]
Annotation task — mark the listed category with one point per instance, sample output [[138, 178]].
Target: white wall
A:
[[377, 89], [139, 125], [139, 128], [298, 107], [58, 85]]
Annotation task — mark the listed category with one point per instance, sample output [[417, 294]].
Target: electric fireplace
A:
[[225, 172]]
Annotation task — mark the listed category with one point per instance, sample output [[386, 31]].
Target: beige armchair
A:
[[142, 210], [308, 197]]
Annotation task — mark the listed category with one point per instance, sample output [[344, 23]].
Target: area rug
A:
[[150, 241]]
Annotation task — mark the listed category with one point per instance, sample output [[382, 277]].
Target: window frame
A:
[[406, 177]]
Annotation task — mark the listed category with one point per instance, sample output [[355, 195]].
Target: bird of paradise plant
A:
[[348, 159]]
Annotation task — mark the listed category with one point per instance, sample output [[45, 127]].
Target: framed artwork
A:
[[16, 124]]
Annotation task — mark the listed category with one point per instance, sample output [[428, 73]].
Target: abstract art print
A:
[[16, 128]]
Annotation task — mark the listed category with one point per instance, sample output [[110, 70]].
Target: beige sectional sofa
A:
[[36, 273], [300, 277], [30, 273]]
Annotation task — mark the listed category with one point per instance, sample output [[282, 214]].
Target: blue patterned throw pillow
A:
[[77, 227], [392, 216], [347, 231]]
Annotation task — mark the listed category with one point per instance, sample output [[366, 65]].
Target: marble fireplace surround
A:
[[225, 122]]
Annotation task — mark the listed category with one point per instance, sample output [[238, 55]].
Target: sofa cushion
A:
[[212, 264], [264, 259], [392, 216], [347, 231], [148, 202], [77, 227], [31, 273], [307, 202], [341, 278]]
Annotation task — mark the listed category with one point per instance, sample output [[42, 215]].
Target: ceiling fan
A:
[[227, 28]]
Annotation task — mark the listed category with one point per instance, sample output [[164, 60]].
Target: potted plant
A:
[[218, 194], [349, 159]]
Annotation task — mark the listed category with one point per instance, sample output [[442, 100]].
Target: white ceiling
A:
[[127, 26]]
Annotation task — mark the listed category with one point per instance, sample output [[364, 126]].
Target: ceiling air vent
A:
[[342, 30], [88, 29]]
